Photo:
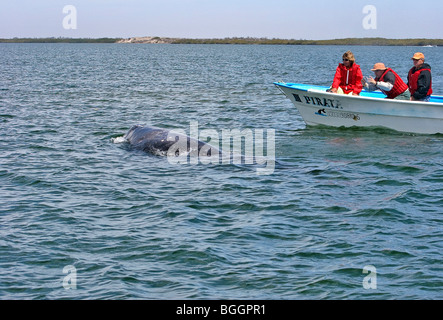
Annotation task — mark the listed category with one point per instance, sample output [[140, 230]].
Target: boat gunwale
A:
[[291, 85]]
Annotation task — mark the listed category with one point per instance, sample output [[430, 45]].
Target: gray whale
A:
[[165, 142]]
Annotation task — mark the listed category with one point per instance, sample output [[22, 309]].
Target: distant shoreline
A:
[[258, 41]]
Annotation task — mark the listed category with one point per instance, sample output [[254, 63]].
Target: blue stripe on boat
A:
[[364, 93]]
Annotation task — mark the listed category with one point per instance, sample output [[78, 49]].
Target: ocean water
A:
[[85, 217]]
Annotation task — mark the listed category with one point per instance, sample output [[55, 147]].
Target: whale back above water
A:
[[160, 141]]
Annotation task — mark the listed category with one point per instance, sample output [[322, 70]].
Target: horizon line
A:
[[375, 41], [216, 38]]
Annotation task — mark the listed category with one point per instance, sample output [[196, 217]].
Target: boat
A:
[[369, 109]]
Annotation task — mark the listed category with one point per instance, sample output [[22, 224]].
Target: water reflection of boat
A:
[[370, 109]]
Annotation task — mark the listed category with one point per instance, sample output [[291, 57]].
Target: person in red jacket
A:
[[348, 77]]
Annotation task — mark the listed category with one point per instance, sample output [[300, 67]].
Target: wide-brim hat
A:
[[379, 66]]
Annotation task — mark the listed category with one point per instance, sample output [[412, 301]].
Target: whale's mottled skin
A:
[[160, 141]]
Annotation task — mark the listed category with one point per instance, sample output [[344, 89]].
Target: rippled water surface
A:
[[135, 226]]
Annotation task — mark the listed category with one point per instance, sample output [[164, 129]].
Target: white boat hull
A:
[[318, 107]]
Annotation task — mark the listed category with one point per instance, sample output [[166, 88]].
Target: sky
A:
[[285, 19]]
